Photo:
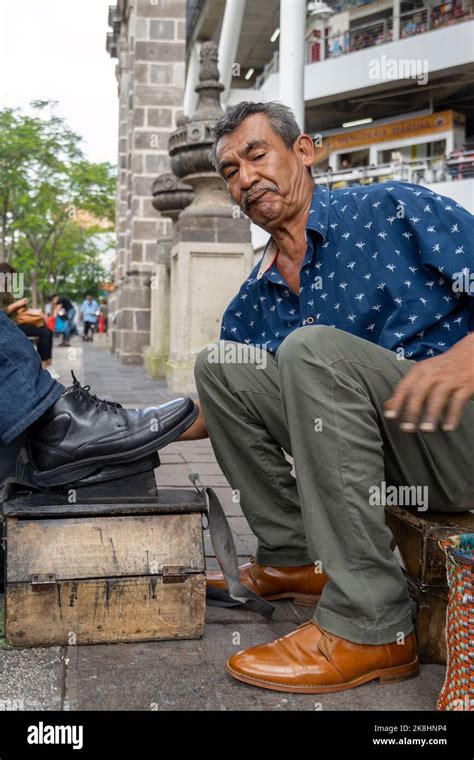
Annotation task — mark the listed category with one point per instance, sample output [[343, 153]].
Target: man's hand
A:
[[435, 386]]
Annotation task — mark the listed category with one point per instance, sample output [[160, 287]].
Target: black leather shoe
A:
[[81, 432]]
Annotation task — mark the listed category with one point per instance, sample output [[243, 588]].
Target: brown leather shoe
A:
[[302, 584], [312, 661]]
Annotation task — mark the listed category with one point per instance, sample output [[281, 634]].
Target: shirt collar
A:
[[318, 219]]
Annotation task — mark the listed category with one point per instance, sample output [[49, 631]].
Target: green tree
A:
[[52, 200], [83, 272]]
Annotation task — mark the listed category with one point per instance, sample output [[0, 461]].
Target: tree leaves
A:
[[55, 206]]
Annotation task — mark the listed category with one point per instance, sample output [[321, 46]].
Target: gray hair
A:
[[281, 118]]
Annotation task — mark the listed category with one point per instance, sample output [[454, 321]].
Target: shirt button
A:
[[287, 292], [309, 320]]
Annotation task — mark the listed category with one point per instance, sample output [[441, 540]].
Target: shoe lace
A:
[[83, 391]]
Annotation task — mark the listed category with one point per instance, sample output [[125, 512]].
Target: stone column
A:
[[148, 38], [170, 197], [212, 253]]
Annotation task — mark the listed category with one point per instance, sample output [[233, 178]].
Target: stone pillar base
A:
[[132, 326], [204, 278], [155, 363], [180, 376]]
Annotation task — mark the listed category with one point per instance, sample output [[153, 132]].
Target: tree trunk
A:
[[34, 288]]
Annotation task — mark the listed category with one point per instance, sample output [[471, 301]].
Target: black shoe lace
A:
[[83, 391]]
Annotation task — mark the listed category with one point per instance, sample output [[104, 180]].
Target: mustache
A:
[[256, 191]]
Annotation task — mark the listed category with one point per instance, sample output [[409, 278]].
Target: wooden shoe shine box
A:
[[108, 568]]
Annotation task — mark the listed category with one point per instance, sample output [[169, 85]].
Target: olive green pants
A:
[[320, 400]]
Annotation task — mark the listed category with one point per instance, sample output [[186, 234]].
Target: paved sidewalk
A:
[[181, 675]]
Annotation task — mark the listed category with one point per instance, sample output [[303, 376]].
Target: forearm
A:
[[198, 429], [14, 307]]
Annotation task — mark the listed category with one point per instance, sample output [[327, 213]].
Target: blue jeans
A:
[[69, 324], [26, 390]]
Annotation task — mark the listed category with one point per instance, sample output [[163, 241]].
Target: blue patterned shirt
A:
[[389, 262]]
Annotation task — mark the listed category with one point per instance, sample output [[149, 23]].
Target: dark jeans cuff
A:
[[19, 427]]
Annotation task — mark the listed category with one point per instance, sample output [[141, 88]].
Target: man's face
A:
[[265, 178]]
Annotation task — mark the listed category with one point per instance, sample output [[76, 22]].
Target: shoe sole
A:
[[385, 675], [76, 470], [305, 600]]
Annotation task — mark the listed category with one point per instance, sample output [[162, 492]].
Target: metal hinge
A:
[[174, 574], [43, 581]]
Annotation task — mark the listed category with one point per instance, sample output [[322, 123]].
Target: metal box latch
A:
[[174, 574], [43, 581]]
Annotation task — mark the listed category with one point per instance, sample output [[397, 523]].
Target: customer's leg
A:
[[242, 408], [333, 386], [69, 325], [45, 342], [65, 333], [67, 328], [26, 390]]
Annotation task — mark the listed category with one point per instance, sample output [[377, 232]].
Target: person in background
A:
[[32, 322], [74, 330], [336, 48], [330, 175], [63, 307], [89, 313], [104, 309], [409, 28]]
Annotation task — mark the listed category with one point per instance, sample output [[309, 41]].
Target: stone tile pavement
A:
[[180, 675]]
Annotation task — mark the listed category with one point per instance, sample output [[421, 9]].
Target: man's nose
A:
[[248, 176]]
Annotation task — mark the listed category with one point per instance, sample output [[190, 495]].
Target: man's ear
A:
[[304, 147]]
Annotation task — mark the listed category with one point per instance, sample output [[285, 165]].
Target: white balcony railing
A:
[[425, 171], [413, 22], [368, 35]]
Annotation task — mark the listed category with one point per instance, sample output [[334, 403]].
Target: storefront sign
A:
[[443, 121]]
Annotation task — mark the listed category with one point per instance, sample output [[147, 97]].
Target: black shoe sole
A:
[[73, 471]]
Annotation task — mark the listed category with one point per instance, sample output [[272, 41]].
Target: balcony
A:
[[379, 32], [328, 46], [452, 177]]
